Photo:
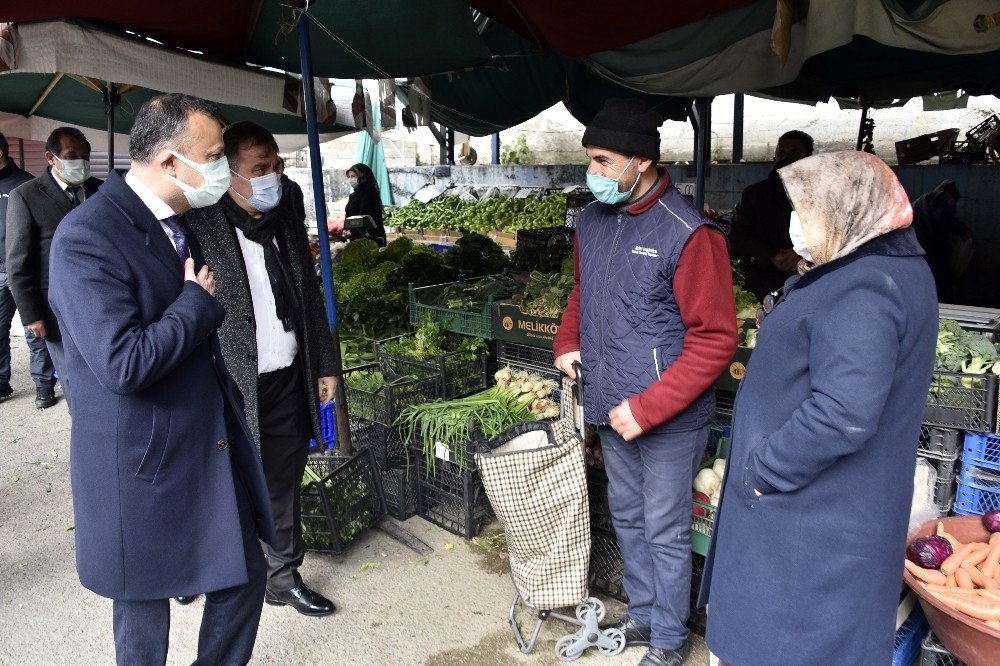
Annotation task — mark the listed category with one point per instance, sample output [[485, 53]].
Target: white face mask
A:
[[74, 172], [215, 175], [353, 182], [266, 191], [798, 236]]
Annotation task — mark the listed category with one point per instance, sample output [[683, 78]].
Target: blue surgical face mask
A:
[[266, 191], [605, 189], [798, 237]]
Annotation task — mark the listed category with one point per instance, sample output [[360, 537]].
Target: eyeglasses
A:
[[771, 301]]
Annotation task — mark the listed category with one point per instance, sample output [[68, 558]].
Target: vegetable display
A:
[[546, 294], [471, 296], [747, 305], [965, 576], [475, 255], [708, 485], [517, 397], [490, 214], [959, 350], [343, 499], [430, 340]]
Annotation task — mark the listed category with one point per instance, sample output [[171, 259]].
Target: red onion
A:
[[929, 552], [991, 520]]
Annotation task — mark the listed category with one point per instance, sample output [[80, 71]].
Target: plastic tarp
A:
[[371, 152], [351, 40], [67, 55]]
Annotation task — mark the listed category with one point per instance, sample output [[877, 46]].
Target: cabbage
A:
[[929, 552]]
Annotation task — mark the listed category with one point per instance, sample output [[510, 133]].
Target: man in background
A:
[[42, 373], [760, 222], [34, 212], [936, 222]]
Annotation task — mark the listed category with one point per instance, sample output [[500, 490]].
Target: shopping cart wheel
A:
[[568, 648], [612, 642], [594, 604]]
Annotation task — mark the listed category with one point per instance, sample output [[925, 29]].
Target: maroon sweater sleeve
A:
[[703, 288], [568, 337]]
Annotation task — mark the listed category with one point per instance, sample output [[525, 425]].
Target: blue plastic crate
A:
[[327, 426], [909, 637], [982, 450], [978, 492]]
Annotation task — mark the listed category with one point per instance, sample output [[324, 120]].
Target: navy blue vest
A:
[[630, 324]]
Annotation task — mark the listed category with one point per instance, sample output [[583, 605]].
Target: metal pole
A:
[[702, 120], [451, 146], [738, 113], [495, 149], [111, 101], [319, 198]]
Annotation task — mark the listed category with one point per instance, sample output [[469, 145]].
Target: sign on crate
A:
[[512, 325]]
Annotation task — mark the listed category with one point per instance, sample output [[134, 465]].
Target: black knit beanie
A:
[[626, 126]]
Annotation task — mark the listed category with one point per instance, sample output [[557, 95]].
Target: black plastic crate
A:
[[384, 442], [606, 566], [962, 402], [457, 374], [542, 249], [725, 402], [932, 653], [345, 502], [939, 443], [451, 496], [400, 488], [535, 359], [384, 405], [575, 203]]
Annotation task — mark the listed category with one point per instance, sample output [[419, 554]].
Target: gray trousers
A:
[[649, 494]]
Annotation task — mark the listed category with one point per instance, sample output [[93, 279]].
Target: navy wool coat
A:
[[826, 427], [152, 457]]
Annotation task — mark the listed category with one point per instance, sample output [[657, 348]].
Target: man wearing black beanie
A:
[[652, 319]]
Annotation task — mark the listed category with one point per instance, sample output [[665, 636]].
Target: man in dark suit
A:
[[275, 340], [168, 492], [760, 222], [34, 212], [11, 176]]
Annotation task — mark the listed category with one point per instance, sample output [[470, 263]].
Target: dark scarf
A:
[[262, 231]]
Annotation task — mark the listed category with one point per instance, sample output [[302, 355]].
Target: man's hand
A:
[[565, 363], [204, 277], [787, 261], [624, 423], [327, 389], [37, 328]]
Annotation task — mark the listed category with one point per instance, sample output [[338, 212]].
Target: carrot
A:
[[978, 579], [954, 561], [940, 529], [994, 624], [970, 602], [977, 555], [989, 566], [991, 584], [955, 543], [925, 575], [963, 579], [950, 582]]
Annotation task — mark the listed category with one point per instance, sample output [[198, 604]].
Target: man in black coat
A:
[[760, 222], [275, 339], [42, 373], [34, 211]]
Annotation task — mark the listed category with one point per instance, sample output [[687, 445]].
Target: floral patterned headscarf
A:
[[844, 200]]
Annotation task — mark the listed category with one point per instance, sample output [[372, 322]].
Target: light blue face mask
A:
[[266, 191], [605, 189]]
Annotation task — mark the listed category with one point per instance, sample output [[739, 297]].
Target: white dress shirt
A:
[[276, 347], [160, 209], [81, 193]]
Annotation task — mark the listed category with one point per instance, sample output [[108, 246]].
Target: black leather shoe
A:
[[45, 398], [635, 633], [184, 601], [663, 657], [5, 391], [302, 599]]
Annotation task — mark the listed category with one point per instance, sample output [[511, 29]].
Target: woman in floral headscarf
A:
[[807, 561]]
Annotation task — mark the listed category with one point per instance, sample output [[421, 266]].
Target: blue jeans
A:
[[42, 371], [649, 493]]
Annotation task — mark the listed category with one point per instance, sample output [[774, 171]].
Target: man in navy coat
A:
[[168, 493]]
